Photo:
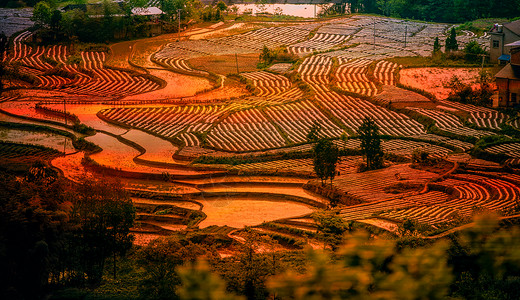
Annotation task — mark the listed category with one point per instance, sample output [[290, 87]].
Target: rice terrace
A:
[[211, 120]]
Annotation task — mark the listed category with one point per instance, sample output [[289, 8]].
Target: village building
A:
[[508, 79], [501, 37]]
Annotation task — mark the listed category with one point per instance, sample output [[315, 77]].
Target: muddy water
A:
[[50, 140], [157, 149], [6, 118], [178, 86], [87, 115], [118, 155], [26, 109], [241, 211], [249, 179], [183, 204], [222, 209], [263, 189]]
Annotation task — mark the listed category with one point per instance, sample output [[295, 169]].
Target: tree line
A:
[[55, 233], [107, 21], [451, 11]]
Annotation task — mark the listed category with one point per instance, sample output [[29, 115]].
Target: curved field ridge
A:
[[267, 83], [245, 131], [352, 77], [50, 68]]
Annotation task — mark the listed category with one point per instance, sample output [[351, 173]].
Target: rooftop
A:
[[147, 11], [509, 72], [513, 44], [514, 27]]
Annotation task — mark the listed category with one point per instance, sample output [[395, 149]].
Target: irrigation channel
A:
[[144, 164]]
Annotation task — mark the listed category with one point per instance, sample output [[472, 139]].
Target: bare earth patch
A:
[[226, 64], [396, 95], [433, 80]]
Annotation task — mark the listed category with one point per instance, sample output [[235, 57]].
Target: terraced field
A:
[[52, 67], [343, 76]]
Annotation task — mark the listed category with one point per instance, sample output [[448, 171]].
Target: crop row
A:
[[371, 185], [480, 116], [296, 120], [108, 81], [384, 72], [510, 149], [167, 121], [179, 63], [450, 123], [351, 111], [48, 64], [309, 65], [19, 48], [272, 37], [23, 153], [267, 83], [366, 210], [431, 214], [398, 147], [352, 77], [470, 192], [320, 41], [245, 131]]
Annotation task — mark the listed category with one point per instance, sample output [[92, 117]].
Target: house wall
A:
[[508, 90], [505, 37], [515, 56]]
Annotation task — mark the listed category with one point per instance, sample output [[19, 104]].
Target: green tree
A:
[[371, 144], [42, 14], [103, 214], [331, 227], [436, 46], [463, 92], [198, 283], [473, 52], [314, 133], [326, 157], [32, 231], [159, 259], [370, 269], [451, 41], [55, 20], [266, 56], [486, 260], [221, 5]]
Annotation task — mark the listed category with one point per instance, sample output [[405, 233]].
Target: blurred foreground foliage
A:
[[61, 240]]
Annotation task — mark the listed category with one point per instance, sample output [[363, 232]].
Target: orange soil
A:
[[231, 89], [395, 94], [120, 55], [433, 80], [226, 64]]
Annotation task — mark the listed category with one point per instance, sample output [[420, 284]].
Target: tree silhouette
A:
[[371, 144], [103, 214], [451, 41], [436, 46], [326, 157]]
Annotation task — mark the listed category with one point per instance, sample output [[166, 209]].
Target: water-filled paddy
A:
[[157, 149], [50, 140], [241, 211]]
